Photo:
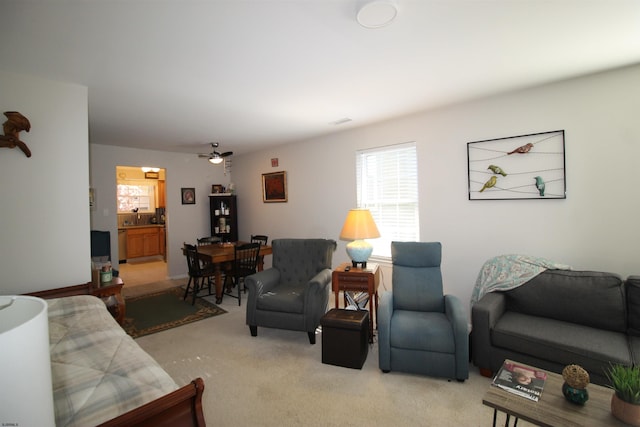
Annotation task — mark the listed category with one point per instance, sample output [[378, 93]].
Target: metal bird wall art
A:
[[540, 185], [490, 183], [497, 170], [15, 124], [523, 149]]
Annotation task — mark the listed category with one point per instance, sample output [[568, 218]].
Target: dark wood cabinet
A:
[[224, 217]]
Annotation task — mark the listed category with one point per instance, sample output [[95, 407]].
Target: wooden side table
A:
[[359, 280], [112, 296]]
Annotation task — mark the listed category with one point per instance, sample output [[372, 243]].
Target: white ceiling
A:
[[176, 74]]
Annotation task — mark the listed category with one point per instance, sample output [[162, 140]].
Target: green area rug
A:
[[159, 311]]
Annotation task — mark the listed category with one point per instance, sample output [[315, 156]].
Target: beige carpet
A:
[[278, 379]]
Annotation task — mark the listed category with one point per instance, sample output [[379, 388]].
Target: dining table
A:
[[222, 255]]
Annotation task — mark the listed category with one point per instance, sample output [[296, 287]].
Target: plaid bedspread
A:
[[98, 371]]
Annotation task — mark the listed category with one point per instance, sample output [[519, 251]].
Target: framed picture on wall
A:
[[518, 167], [274, 187], [188, 196]]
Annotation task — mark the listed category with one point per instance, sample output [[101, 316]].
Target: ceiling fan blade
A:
[[226, 154], [206, 156]]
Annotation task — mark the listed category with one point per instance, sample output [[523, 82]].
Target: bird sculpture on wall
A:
[[497, 170], [540, 185], [15, 124], [523, 149], [490, 183]]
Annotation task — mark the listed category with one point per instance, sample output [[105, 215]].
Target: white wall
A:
[[595, 228], [44, 204], [185, 223]]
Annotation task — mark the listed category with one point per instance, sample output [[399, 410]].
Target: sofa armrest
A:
[[316, 298], [455, 312], [262, 281], [258, 284], [320, 281], [484, 316]]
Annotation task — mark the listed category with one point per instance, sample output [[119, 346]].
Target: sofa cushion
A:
[[588, 298], [435, 331], [283, 298], [633, 306], [561, 342]]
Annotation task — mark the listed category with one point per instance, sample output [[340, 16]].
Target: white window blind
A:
[[387, 180]]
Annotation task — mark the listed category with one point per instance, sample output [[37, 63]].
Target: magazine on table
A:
[[520, 379]]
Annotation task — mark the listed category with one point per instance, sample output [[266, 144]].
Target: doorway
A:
[[141, 203]]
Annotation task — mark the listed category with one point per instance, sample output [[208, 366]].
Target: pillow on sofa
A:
[[589, 298], [633, 304]]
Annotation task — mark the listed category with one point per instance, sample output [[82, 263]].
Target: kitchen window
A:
[[131, 197], [387, 185]]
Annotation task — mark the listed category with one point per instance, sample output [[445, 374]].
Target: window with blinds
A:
[[387, 181]]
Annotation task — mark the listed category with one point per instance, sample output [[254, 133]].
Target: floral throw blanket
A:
[[506, 272]]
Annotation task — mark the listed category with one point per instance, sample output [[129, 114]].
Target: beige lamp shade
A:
[[359, 225]]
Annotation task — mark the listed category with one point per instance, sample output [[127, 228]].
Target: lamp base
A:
[[359, 251]]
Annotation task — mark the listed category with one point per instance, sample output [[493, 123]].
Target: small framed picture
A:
[[151, 175], [188, 196], [274, 187], [217, 188]]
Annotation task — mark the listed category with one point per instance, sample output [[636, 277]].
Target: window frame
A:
[[369, 163], [150, 197]]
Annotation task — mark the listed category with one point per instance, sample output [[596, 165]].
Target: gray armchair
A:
[[294, 293], [420, 330]]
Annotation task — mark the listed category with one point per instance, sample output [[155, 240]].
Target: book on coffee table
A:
[[521, 380]]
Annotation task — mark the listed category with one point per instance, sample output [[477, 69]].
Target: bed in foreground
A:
[[101, 376]]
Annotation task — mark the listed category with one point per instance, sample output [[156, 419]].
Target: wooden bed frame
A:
[[182, 407]]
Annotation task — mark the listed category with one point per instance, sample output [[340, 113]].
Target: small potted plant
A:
[[625, 402]]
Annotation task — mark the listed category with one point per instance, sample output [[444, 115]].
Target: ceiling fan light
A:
[[215, 160]]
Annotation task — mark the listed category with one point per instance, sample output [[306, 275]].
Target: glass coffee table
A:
[[553, 409]]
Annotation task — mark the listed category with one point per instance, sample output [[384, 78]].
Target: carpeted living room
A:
[[512, 131], [278, 378]]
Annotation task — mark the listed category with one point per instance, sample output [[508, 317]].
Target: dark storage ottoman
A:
[[345, 337]]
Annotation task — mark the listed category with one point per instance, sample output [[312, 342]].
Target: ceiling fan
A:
[[216, 157]]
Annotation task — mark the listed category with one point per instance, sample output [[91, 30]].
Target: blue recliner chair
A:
[[420, 330]]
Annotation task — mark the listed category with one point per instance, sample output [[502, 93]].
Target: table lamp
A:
[[359, 225], [25, 364]]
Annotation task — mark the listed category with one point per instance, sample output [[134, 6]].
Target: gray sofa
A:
[[557, 318]]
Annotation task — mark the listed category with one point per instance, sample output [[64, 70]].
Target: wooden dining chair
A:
[[199, 271], [210, 240], [259, 238], [244, 264]]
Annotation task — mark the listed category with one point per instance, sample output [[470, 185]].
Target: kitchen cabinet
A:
[[224, 217], [161, 194], [144, 241]]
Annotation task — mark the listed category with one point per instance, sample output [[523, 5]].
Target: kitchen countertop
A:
[[126, 227]]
